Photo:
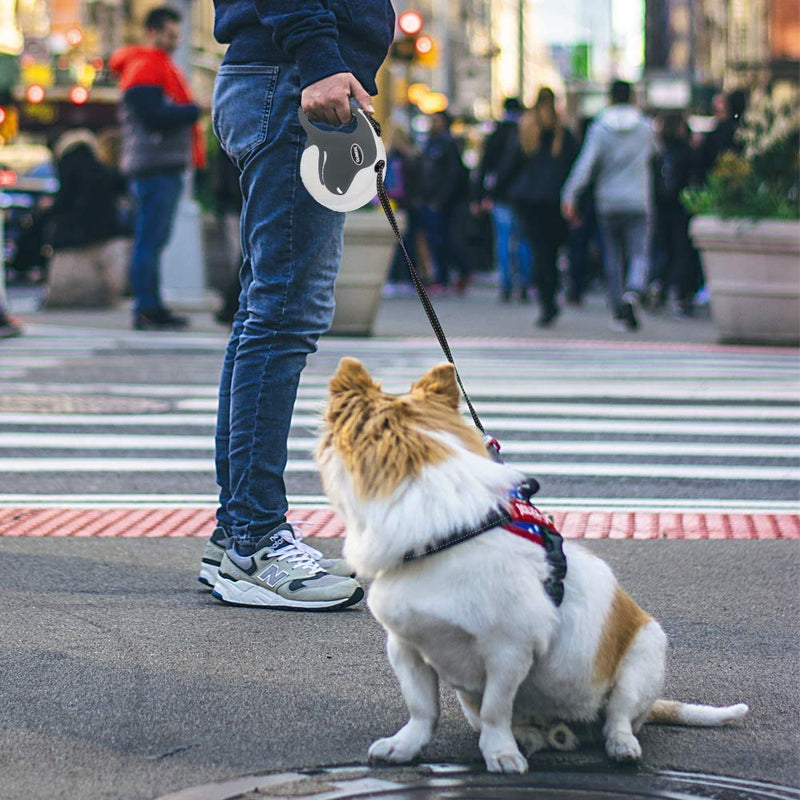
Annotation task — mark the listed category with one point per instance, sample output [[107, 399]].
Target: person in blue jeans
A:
[[282, 55], [512, 252], [160, 139]]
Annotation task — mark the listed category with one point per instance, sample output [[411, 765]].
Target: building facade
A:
[[723, 44]]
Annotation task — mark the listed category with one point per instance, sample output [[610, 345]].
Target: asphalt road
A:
[[122, 679]]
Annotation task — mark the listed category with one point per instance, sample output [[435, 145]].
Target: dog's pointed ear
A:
[[439, 384], [350, 374]]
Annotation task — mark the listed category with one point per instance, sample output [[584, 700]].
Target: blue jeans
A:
[[157, 199], [626, 239], [436, 227], [291, 249], [511, 249]]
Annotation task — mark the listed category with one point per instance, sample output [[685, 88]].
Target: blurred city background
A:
[[465, 56]]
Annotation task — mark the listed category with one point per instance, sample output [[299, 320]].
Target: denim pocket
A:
[[242, 102]]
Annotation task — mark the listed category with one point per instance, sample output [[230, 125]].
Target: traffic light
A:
[[78, 95], [410, 23], [427, 54]]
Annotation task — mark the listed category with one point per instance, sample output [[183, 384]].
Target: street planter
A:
[[752, 270], [369, 244]]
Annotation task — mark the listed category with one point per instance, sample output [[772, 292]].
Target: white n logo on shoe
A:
[[272, 575]]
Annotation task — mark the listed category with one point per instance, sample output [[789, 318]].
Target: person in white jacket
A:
[[616, 159]]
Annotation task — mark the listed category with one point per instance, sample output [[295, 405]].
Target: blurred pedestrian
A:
[[160, 140], [281, 57], [83, 226], [444, 183], [617, 155], [585, 242], [402, 184], [535, 171], [674, 264], [728, 112], [512, 252]]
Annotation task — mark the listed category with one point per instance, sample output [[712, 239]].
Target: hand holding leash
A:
[[329, 99]]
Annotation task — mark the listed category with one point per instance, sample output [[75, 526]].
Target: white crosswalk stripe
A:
[[599, 425]]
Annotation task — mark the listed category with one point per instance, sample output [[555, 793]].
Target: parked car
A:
[[28, 183]]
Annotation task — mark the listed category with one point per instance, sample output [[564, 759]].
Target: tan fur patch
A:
[[666, 712], [382, 438], [623, 621]]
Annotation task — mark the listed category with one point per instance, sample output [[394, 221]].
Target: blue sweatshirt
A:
[[322, 37]]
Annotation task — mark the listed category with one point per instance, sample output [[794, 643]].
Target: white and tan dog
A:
[[405, 472]]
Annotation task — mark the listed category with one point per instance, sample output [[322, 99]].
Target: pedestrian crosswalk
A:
[[129, 419]]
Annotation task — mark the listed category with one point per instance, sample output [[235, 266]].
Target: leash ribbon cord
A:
[[423, 295]]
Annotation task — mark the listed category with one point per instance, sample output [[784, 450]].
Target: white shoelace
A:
[[299, 538], [297, 553]]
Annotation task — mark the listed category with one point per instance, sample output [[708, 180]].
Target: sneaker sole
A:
[[208, 574], [244, 593]]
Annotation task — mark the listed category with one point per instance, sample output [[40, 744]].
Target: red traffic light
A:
[[410, 22], [78, 95], [423, 45], [3, 115], [35, 94]]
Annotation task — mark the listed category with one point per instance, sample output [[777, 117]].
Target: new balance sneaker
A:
[[214, 550], [221, 540], [282, 573]]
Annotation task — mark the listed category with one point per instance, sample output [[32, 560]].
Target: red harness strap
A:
[[527, 521]]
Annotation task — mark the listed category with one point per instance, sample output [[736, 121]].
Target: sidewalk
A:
[[124, 680], [477, 313]]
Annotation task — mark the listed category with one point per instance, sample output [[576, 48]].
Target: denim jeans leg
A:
[[613, 258], [503, 219], [291, 252], [435, 224], [637, 246], [521, 253], [157, 199]]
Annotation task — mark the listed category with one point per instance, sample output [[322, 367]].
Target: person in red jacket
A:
[[160, 140]]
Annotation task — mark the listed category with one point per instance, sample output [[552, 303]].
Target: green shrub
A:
[[763, 179]]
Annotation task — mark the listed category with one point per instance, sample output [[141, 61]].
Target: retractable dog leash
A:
[[343, 170]]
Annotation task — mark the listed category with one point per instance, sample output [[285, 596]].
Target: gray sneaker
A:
[[214, 550], [282, 573], [221, 540]]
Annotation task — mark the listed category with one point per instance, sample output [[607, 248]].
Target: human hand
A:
[[568, 211], [328, 100]]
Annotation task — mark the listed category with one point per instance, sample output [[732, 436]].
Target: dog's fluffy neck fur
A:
[[454, 494]]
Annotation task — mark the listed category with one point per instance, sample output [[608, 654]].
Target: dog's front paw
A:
[[395, 749], [623, 747], [508, 762]]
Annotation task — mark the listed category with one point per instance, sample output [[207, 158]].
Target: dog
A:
[[405, 473]]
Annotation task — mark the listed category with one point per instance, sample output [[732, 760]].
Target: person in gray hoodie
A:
[[616, 157]]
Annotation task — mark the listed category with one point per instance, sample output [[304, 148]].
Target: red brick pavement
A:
[[194, 521]]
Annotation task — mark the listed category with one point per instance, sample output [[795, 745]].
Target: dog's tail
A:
[[673, 712]]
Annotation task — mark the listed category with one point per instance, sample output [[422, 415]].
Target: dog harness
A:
[[523, 519]]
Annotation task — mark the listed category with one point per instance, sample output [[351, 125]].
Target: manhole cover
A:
[[459, 782], [79, 404]]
